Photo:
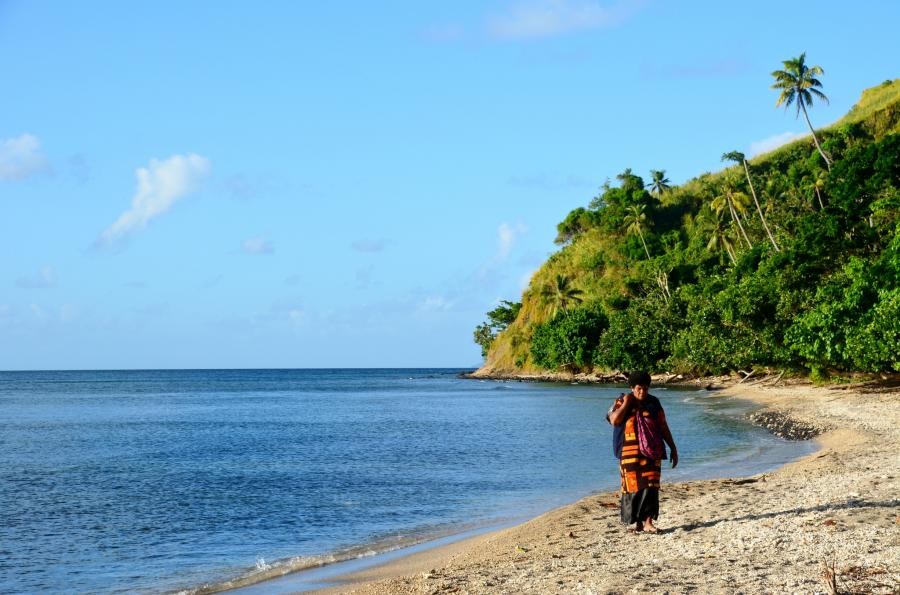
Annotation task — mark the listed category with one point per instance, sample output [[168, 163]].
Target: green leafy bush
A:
[[568, 339]]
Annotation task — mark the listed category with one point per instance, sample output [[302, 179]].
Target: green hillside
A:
[[698, 279]]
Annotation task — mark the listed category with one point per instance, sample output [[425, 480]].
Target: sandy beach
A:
[[827, 523]]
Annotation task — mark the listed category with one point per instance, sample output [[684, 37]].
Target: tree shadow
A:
[[850, 504]]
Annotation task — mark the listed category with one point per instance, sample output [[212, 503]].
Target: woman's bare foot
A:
[[648, 526], [638, 527]]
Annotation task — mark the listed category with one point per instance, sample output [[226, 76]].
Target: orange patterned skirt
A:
[[640, 479]]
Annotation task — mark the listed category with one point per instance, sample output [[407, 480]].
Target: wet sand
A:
[[832, 516]]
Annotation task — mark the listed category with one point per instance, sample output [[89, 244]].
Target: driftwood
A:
[[777, 378], [747, 375]]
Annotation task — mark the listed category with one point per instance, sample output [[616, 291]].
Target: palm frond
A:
[[819, 94]]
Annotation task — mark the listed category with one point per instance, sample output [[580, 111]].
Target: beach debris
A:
[[519, 548], [830, 576]]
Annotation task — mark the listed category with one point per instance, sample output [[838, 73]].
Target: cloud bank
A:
[[773, 142], [159, 186], [21, 157]]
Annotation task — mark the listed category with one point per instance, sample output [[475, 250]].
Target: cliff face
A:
[[603, 261]]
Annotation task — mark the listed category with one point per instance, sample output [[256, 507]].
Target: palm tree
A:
[[560, 293], [635, 223], [736, 203], [659, 183], [798, 83], [739, 157], [719, 238]]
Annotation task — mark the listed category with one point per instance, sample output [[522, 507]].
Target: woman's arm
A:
[[667, 436], [618, 417]]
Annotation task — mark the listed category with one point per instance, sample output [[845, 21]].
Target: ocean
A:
[[171, 480]]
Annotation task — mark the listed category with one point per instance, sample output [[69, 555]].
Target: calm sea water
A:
[[154, 481]]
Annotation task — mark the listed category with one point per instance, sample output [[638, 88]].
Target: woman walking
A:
[[640, 428]]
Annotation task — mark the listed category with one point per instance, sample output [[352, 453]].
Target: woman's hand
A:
[[673, 456], [621, 413]]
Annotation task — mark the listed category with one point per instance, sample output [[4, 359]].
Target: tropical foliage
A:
[[497, 320], [792, 262]]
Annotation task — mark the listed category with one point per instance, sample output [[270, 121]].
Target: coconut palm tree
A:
[[560, 294], [798, 84], [736, 203], [739, 157], [659, 183], [636, 222]]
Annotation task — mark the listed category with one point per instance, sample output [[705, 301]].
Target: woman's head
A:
[[640, 378]]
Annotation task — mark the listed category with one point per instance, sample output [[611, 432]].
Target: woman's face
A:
[[640, 391]]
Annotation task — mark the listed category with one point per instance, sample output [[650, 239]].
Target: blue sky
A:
[[299, 184]]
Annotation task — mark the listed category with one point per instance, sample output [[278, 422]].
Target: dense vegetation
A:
[[788, 261]]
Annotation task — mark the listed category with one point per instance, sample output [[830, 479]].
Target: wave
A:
[[264, 571]]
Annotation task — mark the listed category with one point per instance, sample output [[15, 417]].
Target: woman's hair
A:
[[641, 377]]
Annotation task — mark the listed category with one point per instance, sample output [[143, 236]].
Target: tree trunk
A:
[[815, 138], [819, 194], [737, 220], [758, 209], [730, 253], [641, 235]]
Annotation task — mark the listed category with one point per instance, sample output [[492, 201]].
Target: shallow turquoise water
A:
[[147, 481]]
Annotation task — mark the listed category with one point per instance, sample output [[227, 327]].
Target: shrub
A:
[[568, 339]]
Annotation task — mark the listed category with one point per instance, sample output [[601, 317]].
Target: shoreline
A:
[[773, 531]]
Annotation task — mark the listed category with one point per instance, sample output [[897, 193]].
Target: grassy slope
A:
[[878, 110]]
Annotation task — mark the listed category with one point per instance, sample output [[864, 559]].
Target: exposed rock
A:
[[783, 425]]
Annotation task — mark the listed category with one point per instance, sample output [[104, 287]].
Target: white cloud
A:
[[525, 280], [507, 235], [159, 186], [257, 245], [21, 157], [283, 310], [506, 238], [435, 303], [532, 19], [773, 142], [43, 279]]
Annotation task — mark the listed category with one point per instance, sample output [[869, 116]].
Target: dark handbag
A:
[[618, 438], [649, 435]]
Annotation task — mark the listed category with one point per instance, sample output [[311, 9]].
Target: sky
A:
[[354, 184]]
